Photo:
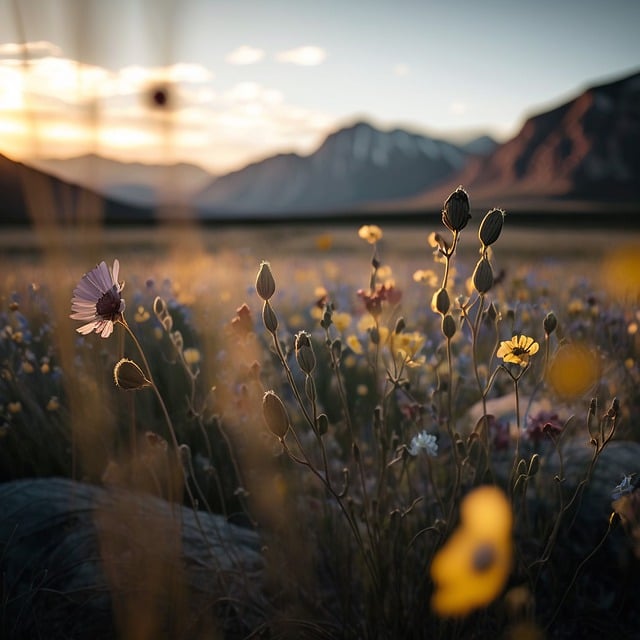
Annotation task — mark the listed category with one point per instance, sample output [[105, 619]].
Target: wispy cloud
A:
[[307, 56], [36, 49], [54, 106], [244, 55], [458, 108]]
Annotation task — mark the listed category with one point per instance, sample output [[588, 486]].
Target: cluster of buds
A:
[[266, 287]]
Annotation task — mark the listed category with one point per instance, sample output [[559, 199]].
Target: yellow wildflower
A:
[[341, 320], [471, 569], [518, 350]]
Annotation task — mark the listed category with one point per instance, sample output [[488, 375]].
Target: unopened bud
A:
[[129, 376], [265, 284], [269, 317], [550, 323], [304, 352], [483, 276], [448, 326], [440, 302], [275, 414], [491, 226], [400, 326], [322, 424], [374, 334], [455, 213]]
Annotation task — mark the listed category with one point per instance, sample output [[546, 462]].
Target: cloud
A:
[[401, 70], [244, 55], [54, 106], [36, 49], [307, 56], [458, 108]]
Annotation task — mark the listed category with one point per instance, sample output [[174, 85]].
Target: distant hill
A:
[[29, 195], [586, 150], [146, 185], [354, 166]]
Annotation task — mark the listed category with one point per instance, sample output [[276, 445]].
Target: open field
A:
[[342, 421]]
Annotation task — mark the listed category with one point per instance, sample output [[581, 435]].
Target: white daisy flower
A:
[[426, 441], [97, 300]]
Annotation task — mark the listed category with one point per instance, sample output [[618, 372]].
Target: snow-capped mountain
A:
[[354, 166]]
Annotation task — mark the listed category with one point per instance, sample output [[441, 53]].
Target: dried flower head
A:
[[97, 300], [370, 232], [518, 350]]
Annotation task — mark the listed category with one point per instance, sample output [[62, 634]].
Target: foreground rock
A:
[[78, 561]]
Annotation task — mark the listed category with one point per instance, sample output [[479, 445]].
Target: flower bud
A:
[[275, 414], [550, 323], [129, 376], [322, 424], [448, 326], [265, 284], [400, 326], [304, 352], [455, 214], [269, 317], [440, 301], [491, 226], [483, 276]]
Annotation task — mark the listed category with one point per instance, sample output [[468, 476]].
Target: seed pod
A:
[[550, 323], [129, 376], [269, 317], [455, 214], [483, 276], [440, 301], [162, 313], [275, 414], [400, 326], [265, 284], [491, 226], [448, 326], [304, 352]]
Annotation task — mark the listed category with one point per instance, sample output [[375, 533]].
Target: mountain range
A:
[[583, 152]]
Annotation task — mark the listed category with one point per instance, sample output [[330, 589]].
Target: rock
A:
[[80, 561]]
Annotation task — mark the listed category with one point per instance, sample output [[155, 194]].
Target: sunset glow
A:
[[237, 90]]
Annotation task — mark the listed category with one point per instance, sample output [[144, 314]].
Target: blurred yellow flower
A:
[[428, 276], [191, 356], [354, 344], [141, 315], [324, 242], [518, 350], [573, 370], [341, 320], [370, 232], [471, 569]]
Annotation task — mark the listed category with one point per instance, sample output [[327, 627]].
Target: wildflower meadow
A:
[[367, 431]]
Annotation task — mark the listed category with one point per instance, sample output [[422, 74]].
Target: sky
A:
[[245, 79]]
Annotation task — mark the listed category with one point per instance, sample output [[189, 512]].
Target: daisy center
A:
[[109, 304], [519, 351]]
